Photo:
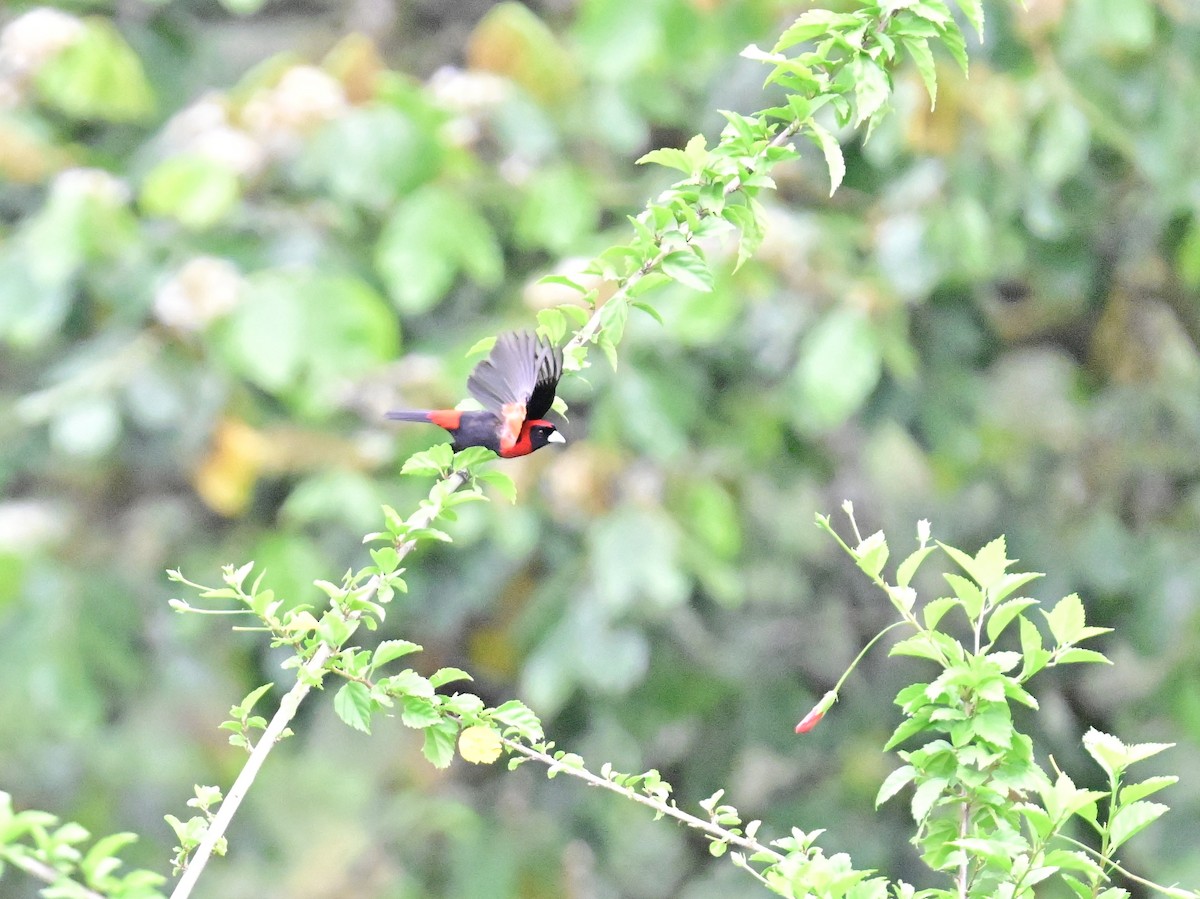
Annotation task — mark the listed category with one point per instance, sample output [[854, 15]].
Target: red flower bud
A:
[[809, 721], [813, 718]]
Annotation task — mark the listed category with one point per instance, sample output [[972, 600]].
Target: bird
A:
[[515, 385]]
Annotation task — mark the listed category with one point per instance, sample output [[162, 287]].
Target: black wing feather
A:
[[549, 372], [509, 373]]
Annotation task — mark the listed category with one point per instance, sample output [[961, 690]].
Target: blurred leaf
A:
[[97, 76], [196, 191], [371, 157], [432, 236], [557, 210], [511, 40], [839, 366]]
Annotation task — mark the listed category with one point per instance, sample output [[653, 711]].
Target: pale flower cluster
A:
[[27, 43], [202, 290]]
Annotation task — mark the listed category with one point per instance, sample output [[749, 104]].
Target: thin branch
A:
[[584, 334], [50, 874], [658, 805], [310, 674]]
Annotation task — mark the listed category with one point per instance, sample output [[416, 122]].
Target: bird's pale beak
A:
[[556, 437]]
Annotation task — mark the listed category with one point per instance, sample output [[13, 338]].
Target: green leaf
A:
[[1140, 790], [670, 157], [973, 10], [439, 743], [908, 568], [1008, 583], [839, 365], [872, 87], [370, 156], [927, 793], [99, 861], [894, 783], [918, 646], [390, 650], [418, 712], [1066, 619], [251, 699], [1003, 615], [432, 237], [831, 149], [501, 481], [814, 23], [935, 609], [1075, 656], [447, 675], [872, 554], [196, 191], [686, 267], [96, 76], [353, 704], [1031, 649], [922, 57], [967, 591], [1132, 819], [553, 324], [517, 715], [409, 683]]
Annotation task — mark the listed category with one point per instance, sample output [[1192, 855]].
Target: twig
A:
[[50, 875], [584, 334], [658, 805], [312, 672]]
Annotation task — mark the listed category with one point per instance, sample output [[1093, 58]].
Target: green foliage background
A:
[[228, 243]]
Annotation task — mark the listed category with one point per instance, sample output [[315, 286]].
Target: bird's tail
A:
[[415, 415]]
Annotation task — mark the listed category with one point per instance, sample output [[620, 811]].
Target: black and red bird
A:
[[515, 385]]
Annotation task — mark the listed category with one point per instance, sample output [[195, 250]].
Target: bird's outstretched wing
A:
[[517, 381]]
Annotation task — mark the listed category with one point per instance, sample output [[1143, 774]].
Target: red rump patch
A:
[[446, 418], [513, 415]]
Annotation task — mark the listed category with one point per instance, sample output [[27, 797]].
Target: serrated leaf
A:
[[418, 712], [1132, 819], [502, 482], [686, 267], [1075, 656], [925, 796], [814, 23], [251, 698], [935, 609], [100, 856], [908, 568], [1003, 615], [517, 715], [1031, 649], [872, 87], [1142, 789], [552, 323], [670, 157], [448, 675], [872, 554], [922, 57], [1066, 619], [390, 650], [353, 705], [968, 593], [649, 310], [918, 646], [835, 162], [894, 783], [973, 10], [439, 744]]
